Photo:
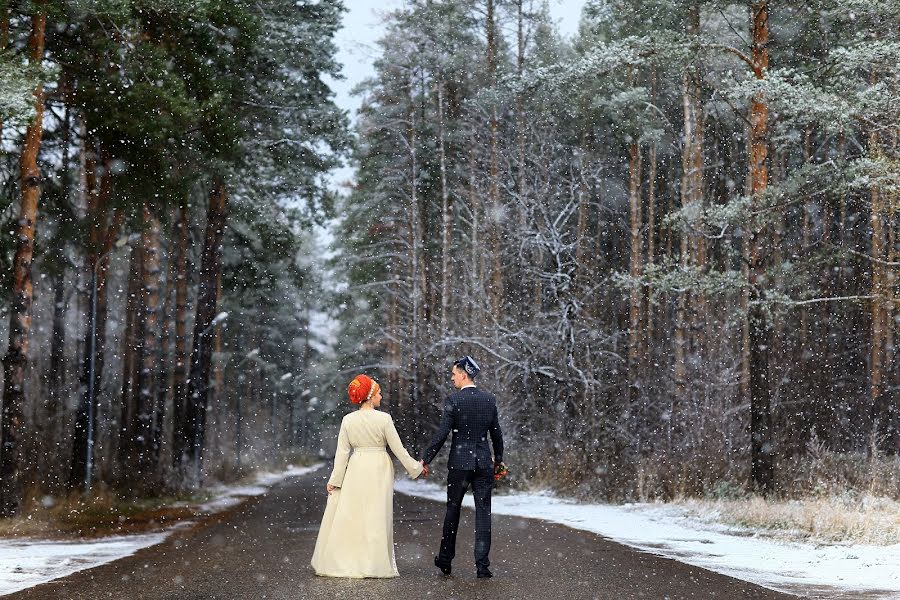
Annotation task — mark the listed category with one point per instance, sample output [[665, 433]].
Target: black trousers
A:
[[458, 481]]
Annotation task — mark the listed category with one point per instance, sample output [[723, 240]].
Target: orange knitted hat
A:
[[362, 388]]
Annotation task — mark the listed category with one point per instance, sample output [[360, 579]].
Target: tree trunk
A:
[[100, 244], [651, 213], [892, 283], [4, 24], [201, 353], [416, 273], [131, 337], [164, 370], [583, 269], [149, 353], [447, 217], [519, 293], [806, 238], [179, 376], [394, 396], [520, 99], [4, 37], [692, 202], [761, 438], [478, 270], [15, 362], [218, 376], [880, 410], [635, 350], [57, 375], [493, 216]]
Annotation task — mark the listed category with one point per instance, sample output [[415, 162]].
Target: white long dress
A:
[[356, 538]]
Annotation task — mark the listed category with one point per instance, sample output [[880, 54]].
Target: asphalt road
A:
[[262, 551]]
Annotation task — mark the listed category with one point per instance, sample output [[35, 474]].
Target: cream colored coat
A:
[[356, 538]]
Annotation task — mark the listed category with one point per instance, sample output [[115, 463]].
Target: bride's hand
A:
[[330, 488]]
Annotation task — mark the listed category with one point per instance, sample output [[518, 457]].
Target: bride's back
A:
[[366, 428]]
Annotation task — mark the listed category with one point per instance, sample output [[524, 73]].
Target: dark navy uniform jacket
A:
[[471, 415]]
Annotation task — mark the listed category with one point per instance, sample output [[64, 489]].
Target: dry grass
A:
[[105, 513], [846, 518], [101, 515]]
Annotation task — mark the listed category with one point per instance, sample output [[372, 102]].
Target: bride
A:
[[356, 538]]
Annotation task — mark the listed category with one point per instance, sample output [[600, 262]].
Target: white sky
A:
[[363, 27]]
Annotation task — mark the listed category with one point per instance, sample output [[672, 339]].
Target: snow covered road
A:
[[666, 530]]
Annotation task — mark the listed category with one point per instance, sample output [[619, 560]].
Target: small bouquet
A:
[[500, 471]]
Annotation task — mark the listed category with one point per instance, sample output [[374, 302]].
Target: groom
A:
[[471, 415]]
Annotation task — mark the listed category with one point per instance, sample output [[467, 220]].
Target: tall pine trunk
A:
[[394, 357], [15, 363], [57, 375], [446, 215], [651, 213], [881, 410], [518, 294], [761, 438], [692, 203], [218, 376], [635, 313], [164, 370], [4, 37], [180, 368], [493, 215], [131, 341], [416, 275], [478, 270], [56, 381], [201, 353], [806, 236], [892, 285], [149, 351]]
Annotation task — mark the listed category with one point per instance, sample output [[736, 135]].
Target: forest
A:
[[162, 165], [671, 241]]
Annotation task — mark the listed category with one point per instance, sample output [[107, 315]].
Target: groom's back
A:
[[475, 417]]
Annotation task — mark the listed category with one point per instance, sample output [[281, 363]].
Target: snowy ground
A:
[[795, 567], [25, 563]]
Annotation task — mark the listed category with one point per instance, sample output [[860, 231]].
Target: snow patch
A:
[[226, 497], [27, 562], [666, 530]]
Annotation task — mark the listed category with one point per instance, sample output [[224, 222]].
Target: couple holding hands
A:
[[356, 538]]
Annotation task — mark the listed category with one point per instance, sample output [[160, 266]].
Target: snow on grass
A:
[[27, 562], [670, 531], [858, 518]]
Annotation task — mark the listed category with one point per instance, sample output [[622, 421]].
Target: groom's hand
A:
[[425, 469]]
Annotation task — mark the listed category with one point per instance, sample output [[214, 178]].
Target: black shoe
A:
[[443, 565], [484, 573]]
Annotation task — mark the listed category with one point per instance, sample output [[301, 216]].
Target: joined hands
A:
[[425, 469]]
